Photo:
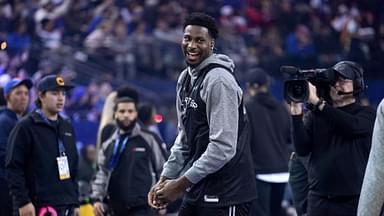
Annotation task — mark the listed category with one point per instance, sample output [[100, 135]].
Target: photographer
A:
[[336, 135]]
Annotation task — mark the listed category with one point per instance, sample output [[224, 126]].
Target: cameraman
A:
[[336, 135]]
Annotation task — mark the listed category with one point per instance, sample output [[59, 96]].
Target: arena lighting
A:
[[158, 118], [3, 45]]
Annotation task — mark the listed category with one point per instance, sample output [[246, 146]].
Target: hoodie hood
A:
[[214, 58]]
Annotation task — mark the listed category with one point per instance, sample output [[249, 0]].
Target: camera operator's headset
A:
[[346, 68]]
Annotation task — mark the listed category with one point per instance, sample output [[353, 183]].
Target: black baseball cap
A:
[[348, 69], [257, 76], [53, 82]]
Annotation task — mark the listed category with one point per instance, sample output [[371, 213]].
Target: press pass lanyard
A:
[[117, 150], [59, 141], [62, 160]]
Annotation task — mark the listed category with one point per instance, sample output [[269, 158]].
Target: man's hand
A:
[[98, 209], [296, 108], [173, 189], [152, 200], [27, 210], [312, 98]]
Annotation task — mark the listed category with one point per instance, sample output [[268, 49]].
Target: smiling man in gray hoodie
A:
[[211, 159]]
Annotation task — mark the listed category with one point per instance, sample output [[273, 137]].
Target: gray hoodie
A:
[[372, 192], [222, 96]]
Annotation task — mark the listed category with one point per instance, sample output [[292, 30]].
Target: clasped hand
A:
[[166, 191]]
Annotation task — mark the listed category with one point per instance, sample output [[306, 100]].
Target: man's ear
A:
[[212, 44]]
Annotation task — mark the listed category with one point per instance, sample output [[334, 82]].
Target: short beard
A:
[[125, 128]]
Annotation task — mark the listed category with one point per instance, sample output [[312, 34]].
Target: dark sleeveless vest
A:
[[235, 182]]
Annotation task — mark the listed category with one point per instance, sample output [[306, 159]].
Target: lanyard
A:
[[59, 141], [116, 153]]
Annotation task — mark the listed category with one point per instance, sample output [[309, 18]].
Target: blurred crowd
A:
[[102, 44], [131, 38]]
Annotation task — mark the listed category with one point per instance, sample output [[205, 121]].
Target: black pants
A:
[[340, 206], [269, 197], [188, 209], [118, 209], [5, 199], [298, 181]]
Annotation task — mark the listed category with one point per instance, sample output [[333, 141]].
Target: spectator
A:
[[270, 139], [300, 48], [48, 10], [16, 93], [127, 165], [19, 40], [87, 170], [298, 182], [42, 161], [50, 35], [107, 127], [100, 38], [146, 116]]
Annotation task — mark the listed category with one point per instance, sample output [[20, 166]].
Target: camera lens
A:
[[296, 90]]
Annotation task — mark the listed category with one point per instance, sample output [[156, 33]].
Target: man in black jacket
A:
[[270, 139], [128, 164], [336, 135], [16, 93], [41, 160]]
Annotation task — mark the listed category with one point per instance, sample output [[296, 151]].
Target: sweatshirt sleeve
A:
[[100, 182], [301, 134], [222, 96], [372, 192], [359, 124], [18, 148]]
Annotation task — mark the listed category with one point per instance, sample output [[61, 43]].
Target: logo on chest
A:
[[189, 103]]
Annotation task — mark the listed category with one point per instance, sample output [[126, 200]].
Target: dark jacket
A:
[[110, 128], [8, 120], [31, 162], [338, 141], [137, 166], [270, 134]]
